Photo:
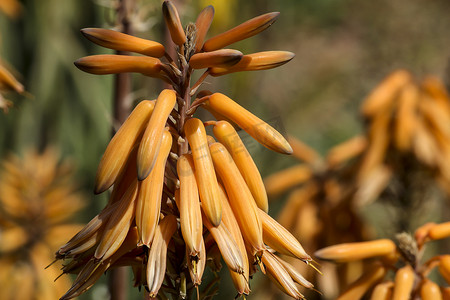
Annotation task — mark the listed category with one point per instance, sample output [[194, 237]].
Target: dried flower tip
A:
[[219, 58], [227, 135], [255, 62], [190, 212], [94, 269], [123, 42], [152, 138], [114, 159], [279, 275], [295, 275], [196, 265], [280, 239], [156, 265], [88, 234], [278, 183], [239, 196], [364, 283], [113, 64], [241, 32], [202, 24], [356, 251], [403, 284], [150, 193], [257, 128], [173, 23], [204, 170], [382, 97], [407, 247]]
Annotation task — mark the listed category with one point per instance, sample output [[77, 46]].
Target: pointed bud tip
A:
[[142, 174]]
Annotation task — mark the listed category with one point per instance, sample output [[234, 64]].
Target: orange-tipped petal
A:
[[151, 140], [403, 284], [150, 191], [119, 148], [227, 135], [280, 239], [239, 196], [219, 58], [112, 64], [257, 128], [190, 213], [173, 23], [357, 251], [123, 42], [255, 62], [204, 170], [241, 32], [202, 25]]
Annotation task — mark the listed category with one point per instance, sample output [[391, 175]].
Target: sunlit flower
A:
[[179, 197]]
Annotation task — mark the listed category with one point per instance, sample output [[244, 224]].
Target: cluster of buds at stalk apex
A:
[[179, 198], [404, 259]]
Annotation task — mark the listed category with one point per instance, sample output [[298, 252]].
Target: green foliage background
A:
[[343, 49]]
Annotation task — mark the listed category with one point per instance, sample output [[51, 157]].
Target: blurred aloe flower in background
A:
[[37, 200]]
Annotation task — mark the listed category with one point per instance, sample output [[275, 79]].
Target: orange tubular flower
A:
[[381, 257], [168, 212]]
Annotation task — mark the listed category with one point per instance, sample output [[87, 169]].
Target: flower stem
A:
[[118, 278]]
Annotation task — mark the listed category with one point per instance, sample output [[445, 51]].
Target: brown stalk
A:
[[118, 278]]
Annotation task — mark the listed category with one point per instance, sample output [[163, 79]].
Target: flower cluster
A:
[[179, 196], [37, 199], [407, 126], [403, 155], [319, 209], [382, 256]]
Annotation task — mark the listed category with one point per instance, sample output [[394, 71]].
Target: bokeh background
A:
[[343, 49]]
